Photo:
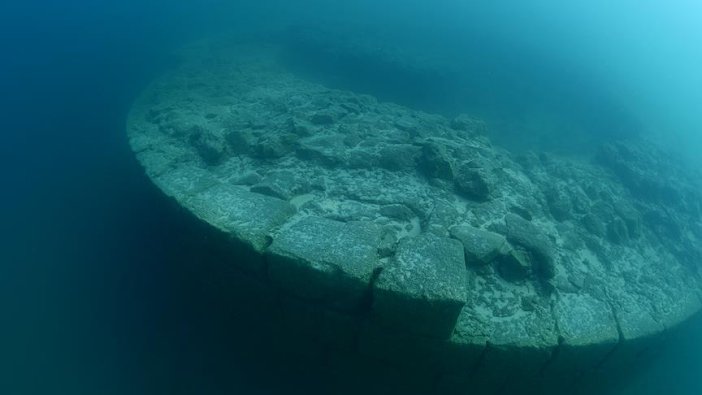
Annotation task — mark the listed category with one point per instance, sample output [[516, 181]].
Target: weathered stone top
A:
[[358, 204]]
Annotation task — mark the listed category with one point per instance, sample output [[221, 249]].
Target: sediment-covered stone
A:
[[588, 333], [422, 289], [245, 215], [480, 246], [503, 328], [526, 234], [325, 261]]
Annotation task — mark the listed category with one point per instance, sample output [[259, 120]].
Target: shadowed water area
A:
[[110, 286]]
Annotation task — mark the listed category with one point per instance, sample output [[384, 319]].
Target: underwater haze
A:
[[98, 291]]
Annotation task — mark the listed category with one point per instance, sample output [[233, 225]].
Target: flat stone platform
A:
[[406, 243]]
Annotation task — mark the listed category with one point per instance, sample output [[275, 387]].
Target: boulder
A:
[[473, 182], [397, 157], [210, 147], [275, 145], [527, 235], [480, 246], [559, 203], [515, 265], [435, 161]]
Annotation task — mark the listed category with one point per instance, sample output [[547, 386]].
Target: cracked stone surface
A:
[[420, 222]]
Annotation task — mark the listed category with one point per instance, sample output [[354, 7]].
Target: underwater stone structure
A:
[[412, 250]]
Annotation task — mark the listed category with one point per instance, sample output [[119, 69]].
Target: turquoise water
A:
[[96, 283]]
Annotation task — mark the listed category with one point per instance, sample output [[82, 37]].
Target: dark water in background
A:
[[96, 286]]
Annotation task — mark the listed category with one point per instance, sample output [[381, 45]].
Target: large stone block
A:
[[248, 218], [588, 332], [641, 341], [501, 351], [325, 261], [422, 290], [184, 181]]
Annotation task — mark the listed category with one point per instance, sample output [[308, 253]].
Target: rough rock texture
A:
[[422, 290], [414, 239], [326, 261]]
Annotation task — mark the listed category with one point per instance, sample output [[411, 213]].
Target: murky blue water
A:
[[96, 291]]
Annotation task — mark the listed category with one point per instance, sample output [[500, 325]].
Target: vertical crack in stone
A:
[[620, 340], [367, 300], [557, 350], [479, 362]]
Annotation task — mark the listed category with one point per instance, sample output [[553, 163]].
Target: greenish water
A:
[[97, 291]]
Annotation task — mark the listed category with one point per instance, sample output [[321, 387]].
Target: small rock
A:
[[281, 184], [480, 246], [559, 203], [352, 140], [210, 148], [631, 218], [527, 235], [322, 118], [617, 231], [466, 123], [406, 124], [522, 212], [359, 158], [326, 150], [443, 214], [473, 182], [249, 178], [435, 161], [388, 243], [598, 217], [399, 156], [515, 265], [298, 128], [397, 211], [240, 141], [276, 146]]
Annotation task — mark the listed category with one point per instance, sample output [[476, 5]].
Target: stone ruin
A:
[[412, 248]]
